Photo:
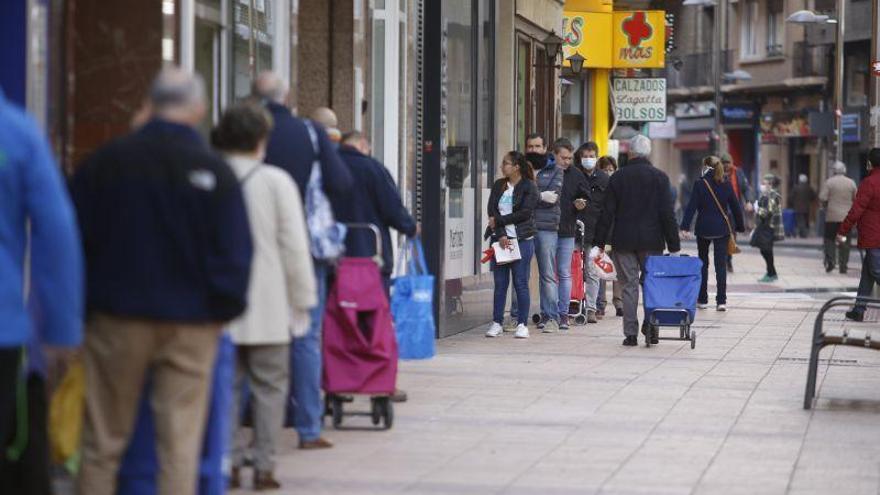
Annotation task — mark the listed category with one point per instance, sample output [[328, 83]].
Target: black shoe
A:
[[631, 341], [651, 333], [843, 271], [619, 312], [829, 268], [730, 268], [855, 315]]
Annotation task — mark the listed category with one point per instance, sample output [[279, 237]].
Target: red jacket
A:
[[865, 212]]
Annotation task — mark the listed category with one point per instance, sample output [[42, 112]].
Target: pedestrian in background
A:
[[572, 202], [713, 201], [327, 118], [865, 214], [36, 217], [597, 183], [549, 177], [741, 188], [168, 258], [511, 210], [837, 195], [282, 288], [801, 198], [608, 165], [295, 145], [639, 207], [768, 228]]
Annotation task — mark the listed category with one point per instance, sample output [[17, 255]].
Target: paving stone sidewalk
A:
[[577, 413]]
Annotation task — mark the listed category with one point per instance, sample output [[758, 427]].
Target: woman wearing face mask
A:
[[511, 211], [713, 201], [768, 217]]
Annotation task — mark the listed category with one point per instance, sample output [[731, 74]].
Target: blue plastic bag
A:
[[672, 283], [412, 305]]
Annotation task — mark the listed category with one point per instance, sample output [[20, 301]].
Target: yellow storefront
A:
[[608, 40]]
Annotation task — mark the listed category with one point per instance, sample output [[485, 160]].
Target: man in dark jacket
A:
[[291, 147], [639, 207], [597, 183], [801, 198], [575, 192], [548, 177], [168, 252], [865, 214], [374, 200]]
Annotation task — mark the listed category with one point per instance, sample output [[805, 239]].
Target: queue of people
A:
[[220, 233]]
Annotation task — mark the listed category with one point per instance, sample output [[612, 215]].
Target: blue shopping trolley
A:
[[672, 284]]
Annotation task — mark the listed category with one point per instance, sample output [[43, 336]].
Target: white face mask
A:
[[765, 188], [589, 163]]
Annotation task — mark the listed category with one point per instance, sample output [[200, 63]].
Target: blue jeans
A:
[[545, 249], [870, 275], [520, 270], [564, 251], [305, 381]]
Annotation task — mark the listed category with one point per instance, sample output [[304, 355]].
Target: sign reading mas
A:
[[639, 39], [622, 40]]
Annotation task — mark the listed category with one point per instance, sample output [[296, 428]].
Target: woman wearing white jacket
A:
[[282, 285]]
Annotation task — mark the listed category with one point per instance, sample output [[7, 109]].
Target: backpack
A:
[[327, 236]]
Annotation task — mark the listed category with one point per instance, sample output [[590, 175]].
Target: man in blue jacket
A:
[[33, 204], [291, 148], [168, 255], [374, 200]]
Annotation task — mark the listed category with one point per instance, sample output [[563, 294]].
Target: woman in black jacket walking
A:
[[511, 218], [713, 200]]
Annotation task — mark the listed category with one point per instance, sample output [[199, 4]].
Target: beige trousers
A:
[[119, 353]]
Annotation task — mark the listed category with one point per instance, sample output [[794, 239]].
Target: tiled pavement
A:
[[576, 412]]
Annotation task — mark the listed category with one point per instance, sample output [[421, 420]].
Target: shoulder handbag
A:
[[326, 235], [732, 248]]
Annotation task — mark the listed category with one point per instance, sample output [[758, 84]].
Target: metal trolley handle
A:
[[376, 234]]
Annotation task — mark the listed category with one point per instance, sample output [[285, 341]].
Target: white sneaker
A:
[[551, 327], [721, 307], [522, 332], [495, 330], [702, 306]]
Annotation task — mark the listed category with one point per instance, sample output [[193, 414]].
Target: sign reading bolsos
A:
[[639, 99]]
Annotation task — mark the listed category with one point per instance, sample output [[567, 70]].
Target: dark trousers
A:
[[720, 261], [768, 259], [870, 276], [29, 474], [833, 250], [803, 224]]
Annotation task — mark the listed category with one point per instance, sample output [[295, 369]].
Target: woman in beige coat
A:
[[282, 286]]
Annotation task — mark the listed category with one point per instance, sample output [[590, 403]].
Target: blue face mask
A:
[[589, 163]]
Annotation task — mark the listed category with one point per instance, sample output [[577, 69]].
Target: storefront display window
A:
[[253, 36]]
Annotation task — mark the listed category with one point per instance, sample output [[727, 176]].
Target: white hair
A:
[[176, 88], [839, 168], [270, 86], [803, 178], [640, 145]]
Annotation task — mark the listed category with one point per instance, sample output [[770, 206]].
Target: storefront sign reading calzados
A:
[[639, 99]]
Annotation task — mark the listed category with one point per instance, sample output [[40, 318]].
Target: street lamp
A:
[[577, 63], [553, 43], [810, 17]]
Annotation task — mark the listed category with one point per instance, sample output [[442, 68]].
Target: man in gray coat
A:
[[837, 196]]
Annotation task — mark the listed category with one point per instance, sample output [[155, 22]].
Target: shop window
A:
[[253, 33]]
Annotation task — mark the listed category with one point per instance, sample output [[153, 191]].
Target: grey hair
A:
[[176, 88], [839, 168], [640, 145], [270, 86]]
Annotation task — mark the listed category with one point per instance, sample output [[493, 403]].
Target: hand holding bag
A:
[[732, 248], [412, 305]]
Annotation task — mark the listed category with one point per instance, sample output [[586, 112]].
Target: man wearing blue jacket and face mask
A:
[[34, 207]]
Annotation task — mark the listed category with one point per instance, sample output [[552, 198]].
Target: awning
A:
[[693, 141]]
